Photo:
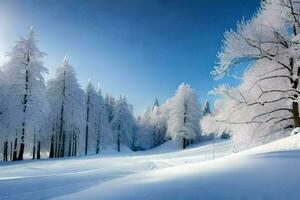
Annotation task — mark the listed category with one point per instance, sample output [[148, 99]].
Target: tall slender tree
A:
[[94, 120], [25, 89], [123, 124], [103, 128], [66, 102]]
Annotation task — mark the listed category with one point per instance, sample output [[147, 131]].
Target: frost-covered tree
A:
[[266, 104], [184, 115], [144, 135], [110, 104], [159, 124], [24, 87], [123, 124], [67, 113], [103, 128], [92, 114], [152, 126], [97, 129]]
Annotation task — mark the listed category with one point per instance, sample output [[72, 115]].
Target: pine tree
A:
[[94, 119], [66, 102], [123, 124], [103, 128], [110, 104], [25, 86]]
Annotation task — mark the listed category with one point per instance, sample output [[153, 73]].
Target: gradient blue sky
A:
[[141, 48]]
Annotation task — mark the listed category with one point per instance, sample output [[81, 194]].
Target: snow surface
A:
[[266, 172], [53, 178]]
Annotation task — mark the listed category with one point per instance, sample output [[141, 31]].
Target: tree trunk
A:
[[118, 143], [22, 145], [38, 156], [86, 139], [183, 143], [118, 140], [5, 150], [63, 145], [56, 151], [25, 100], [75, 143], [70, 145], [11, 151], [34, 147], [98, 136], [15, 149], [296, 118], [51, 154], [98, 145], [87, 123], [294, 83]]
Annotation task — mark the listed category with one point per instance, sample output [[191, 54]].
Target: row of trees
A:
[[59, 118], [176, 119], [265, 106]]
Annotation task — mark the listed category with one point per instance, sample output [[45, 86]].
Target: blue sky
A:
[[141, 48]]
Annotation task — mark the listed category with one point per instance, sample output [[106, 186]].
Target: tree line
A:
[[57, 118]]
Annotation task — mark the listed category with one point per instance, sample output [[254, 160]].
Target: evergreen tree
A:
[[123, 124], [103, 128], [110, 104], [26, 107], [66, 117]]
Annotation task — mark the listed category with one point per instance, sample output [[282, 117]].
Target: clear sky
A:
[[141, 48]]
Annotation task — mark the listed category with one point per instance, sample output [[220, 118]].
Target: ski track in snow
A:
[[46, 179]]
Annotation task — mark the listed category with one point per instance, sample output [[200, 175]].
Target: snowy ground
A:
[[53, 178], [266, 172]]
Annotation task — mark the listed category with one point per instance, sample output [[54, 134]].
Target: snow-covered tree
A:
[[103, 128], [265, 106], [151, 127], [24, 87], [97, 130], [184, 115], [144, 135], [110, 104], [92, 114], [67, 113], [123, 124], [159, 124]]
